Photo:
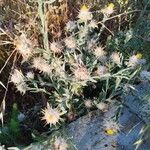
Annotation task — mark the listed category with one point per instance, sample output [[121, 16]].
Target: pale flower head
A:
[[102, 106], [100, 53], [70, 26], [17, 77], [56, 47], [116, 58], [58, 67], [93, 24], [24, 46], [88, 103], [81, 73], [50, 115], [60, 71], [22, 87], [41, 64], [109, 9], [70, 42], [111, 127], [102, 70], [136, 60], [85, 14], [60, 144], [30, 75]]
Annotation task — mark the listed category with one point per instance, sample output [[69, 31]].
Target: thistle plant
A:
[[67, 68]]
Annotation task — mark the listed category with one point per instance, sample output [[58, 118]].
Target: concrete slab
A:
[[139, 101], [88, 132]]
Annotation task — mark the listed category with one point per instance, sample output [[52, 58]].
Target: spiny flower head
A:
[[111, 127], [85, 14], [116, 58], [136, 60], [50, 115], [30, 75], [41, 64], [101, 70], [88, 103], [111, 6], [22, 87], [93, 24], [17, 77], [84, 8], [81, 73], [70, 26], [102, 106], [56, 47], [70, 42], [139, 55], [109, 9], [24, 46], [60, 144], [58, 67], [100, 53]]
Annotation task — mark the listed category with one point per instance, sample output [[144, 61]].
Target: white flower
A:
[[30, 75], [81, 73], [93, 24], [56, 47], [58, 67], [50, 115], [70, 26], [88, 103], [60, 72], [60, 144], [70, 42], [24, 46], [100, 53], [22, 87], [84, 14], [102, 70], [41, 64], [102, 106], [17, 77], [116, 58], [109, 9], [145, 75], [83, 32], [111, 127], [135, 60]]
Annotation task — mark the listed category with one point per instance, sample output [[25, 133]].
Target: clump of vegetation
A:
[[75, 63], [11, 131]]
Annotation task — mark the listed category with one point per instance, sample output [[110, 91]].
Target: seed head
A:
[[81, 73], [50, 115], [84, 14], [60, 144], [70, 42], [56, 47]]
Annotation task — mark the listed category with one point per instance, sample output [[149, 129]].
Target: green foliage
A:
[[136, 38], [77, 67], [11, 131]]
